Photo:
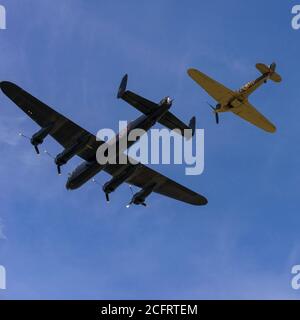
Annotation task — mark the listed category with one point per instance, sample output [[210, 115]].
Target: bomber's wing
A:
[[215, 89], [144, 176], [64, 131], [146, 106], [143, 105], [250, 114]]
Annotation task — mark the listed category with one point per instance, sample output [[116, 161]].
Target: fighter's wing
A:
[[64, 131], [250, 114], [144, 176], [216, 90]]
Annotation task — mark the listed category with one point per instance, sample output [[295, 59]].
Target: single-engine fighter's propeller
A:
[[273, 67], [215, 111]]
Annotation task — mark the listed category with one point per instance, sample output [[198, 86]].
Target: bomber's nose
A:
[[70, 184]]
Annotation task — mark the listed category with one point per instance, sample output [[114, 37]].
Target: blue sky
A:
[[72, 245]]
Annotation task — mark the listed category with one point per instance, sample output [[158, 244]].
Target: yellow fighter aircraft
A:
[[237, 101]]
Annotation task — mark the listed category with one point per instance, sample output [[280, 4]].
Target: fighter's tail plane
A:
[[145, 106], [269, 70], [237, 101]]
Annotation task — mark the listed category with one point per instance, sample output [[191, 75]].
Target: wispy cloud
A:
[[7, 125], [228, 249], [2, 235]]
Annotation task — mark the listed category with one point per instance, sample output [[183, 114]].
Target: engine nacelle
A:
[[62, 158], [38, 138], [117, 180], [140, 197]]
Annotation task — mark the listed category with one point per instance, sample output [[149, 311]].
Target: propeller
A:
[[35, 146], [273, 67], [130, 203], [95, 181], [23, 135], [131, 189], [106, 194], [48, 154], [52, 157], [215, 112]]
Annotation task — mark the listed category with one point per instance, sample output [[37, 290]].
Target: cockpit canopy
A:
[[166, 100]]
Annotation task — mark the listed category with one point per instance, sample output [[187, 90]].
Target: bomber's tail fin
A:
[[145, 106], [269, 70], [192, 125], [122, 87]]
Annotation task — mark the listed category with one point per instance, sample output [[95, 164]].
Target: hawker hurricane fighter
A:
[[237, 101]]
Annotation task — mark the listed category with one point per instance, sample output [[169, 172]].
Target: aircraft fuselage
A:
[[87, 170], [242, 94]]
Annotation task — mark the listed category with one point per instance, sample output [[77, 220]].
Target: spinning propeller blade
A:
[[215, 112], [36, 149]]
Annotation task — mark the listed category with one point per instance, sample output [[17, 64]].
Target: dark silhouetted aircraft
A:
[[78, 141]]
